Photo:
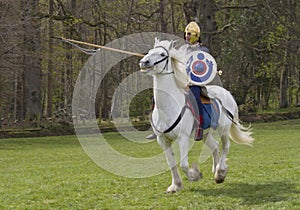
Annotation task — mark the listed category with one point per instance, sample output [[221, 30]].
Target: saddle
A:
[[210, 110]]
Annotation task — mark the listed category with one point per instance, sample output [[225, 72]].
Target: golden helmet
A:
[[193, 30]]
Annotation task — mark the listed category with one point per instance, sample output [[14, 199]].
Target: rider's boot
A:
[[199, 130], [151, 136]]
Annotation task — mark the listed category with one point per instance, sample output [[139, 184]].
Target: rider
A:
[[192, 37]]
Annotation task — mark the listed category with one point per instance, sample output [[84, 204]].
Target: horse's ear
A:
[[175, 43], [156, 41], [171, 44]]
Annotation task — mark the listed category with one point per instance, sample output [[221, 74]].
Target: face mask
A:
[[193, 37]]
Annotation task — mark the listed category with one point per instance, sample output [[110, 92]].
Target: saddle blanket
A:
[[210, 110]]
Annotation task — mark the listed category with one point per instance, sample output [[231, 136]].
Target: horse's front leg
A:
[[193, 174], [176, 180]]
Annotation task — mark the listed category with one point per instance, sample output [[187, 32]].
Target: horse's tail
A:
[[239, 133]]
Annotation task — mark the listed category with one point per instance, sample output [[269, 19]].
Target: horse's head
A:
[[157, 59], [165, 59]]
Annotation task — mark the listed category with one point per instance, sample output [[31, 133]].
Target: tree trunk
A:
[[15, 95], [68, 77], [207, 21], [284, 81], [32, 73], [163, 24], [173, 24], [191, 10], [202, 12], [50, 62], [298, 91], [290, 52]]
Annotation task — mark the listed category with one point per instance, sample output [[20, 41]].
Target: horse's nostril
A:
[[144, 63]]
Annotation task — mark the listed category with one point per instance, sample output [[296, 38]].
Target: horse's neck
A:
[[168, 97]]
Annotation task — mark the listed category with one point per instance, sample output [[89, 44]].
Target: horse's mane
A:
[[178, 63]]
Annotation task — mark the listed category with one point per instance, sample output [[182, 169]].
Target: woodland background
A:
[[255, 42]]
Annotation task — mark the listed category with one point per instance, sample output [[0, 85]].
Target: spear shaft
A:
[[102, 47]]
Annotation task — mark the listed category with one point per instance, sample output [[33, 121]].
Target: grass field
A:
[[55, 173]]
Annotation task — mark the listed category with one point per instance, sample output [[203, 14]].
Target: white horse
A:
[[172, 121]]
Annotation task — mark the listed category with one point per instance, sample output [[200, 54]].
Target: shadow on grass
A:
[[254, 194]]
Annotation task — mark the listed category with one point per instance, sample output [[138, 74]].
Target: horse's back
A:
[[224, 96]]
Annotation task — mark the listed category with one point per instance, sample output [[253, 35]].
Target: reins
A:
[[176, 121]]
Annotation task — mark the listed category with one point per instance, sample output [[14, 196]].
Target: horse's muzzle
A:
[[145, 66]]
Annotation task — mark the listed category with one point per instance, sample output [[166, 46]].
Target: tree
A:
[[50, 60], [255, 42], [32, 71]]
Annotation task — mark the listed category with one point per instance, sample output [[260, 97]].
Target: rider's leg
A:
[[196, 90]]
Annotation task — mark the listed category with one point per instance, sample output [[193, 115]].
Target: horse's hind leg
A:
[[213, 145], [222, 167]]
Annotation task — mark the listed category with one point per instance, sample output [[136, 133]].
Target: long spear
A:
[[100, 46]]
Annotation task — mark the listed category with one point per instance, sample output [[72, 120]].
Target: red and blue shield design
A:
[[201, 67]]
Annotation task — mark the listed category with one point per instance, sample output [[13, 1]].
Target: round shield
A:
[[201, 68]]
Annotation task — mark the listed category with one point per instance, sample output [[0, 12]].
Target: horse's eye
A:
[[162, 54]]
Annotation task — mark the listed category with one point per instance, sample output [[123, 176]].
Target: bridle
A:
[[163, 59]]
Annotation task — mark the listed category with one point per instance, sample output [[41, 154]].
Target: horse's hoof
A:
[[220, 176], [194, 174], [174, 188], [219, 180], [170, 192], [195, 178]]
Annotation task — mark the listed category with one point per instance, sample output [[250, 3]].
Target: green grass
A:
[[55, 173]]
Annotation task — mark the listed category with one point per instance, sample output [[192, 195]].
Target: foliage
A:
[[256, 44], [140, 102], [55, 173]]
